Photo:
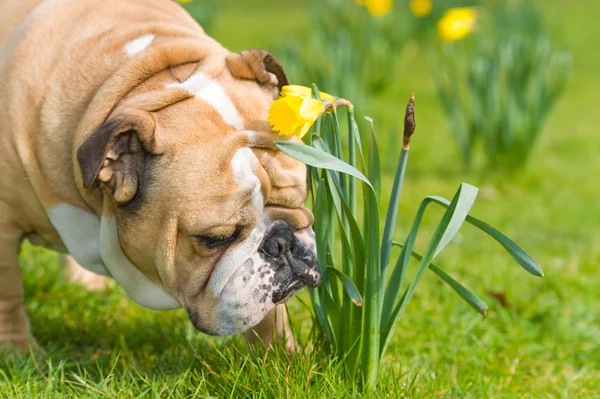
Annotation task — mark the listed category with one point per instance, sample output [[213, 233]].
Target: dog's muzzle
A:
[[293, 262]]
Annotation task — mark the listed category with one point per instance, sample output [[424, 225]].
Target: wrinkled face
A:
[[232, 243], [214, 219]]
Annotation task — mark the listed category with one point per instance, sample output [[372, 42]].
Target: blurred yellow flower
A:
[[377, 8], [456, 23], [421, 8], [184, 1], [295, 111]]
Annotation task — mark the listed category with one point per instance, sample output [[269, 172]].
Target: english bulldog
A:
[[139, 145]]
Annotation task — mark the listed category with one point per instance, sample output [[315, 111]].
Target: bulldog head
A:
[[195, 196]]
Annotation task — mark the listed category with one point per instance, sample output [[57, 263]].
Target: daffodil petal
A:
[[303, 91], [295, 89], [310, 109], [303, 129]]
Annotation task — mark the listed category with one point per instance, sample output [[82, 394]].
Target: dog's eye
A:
[[214, 242]]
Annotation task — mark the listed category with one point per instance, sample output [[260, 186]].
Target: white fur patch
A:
[[207, 89], [80, 232], [138, 287], [234, 258], [95, 245], [244, 164], [138, 45]]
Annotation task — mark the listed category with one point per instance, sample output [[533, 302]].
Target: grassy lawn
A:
[[541, 337]]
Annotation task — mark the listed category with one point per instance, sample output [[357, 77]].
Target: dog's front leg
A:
[[79, 275], [274, 328], [14, 324]]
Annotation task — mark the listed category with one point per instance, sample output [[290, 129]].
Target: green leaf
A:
[[349, 286], [351, 161], [392, 213], [322, 210], [318, 158], [453, 218], [316, 94], [339, 152], [356, 134], [473, 300], [372, 316], [355, 234], [399, 271], [519, 254], [464, 293], [467, 194], [317, 297], [374, 164], [332, 310]]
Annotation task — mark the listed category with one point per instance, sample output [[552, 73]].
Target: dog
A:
[[136, 143]]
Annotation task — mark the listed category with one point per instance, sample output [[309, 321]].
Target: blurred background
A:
[[507, 100]]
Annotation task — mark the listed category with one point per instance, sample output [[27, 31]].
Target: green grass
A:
[[544, 343]]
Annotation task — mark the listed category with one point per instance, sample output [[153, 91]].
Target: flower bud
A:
[[409, 122]]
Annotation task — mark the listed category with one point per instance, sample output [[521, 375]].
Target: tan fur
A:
[[64, 74]]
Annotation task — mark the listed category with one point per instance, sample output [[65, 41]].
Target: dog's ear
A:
[[115, 154], [257, 65]]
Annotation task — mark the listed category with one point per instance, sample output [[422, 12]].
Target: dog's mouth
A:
[[291, 289]]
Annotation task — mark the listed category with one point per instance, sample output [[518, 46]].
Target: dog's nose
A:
[[295, 264]]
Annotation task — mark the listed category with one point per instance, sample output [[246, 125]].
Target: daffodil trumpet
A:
[[295, 111]]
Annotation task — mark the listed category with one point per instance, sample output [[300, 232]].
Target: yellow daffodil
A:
[[303, 91], [421, 8], [377, 8], [456, 23], [293, 114]]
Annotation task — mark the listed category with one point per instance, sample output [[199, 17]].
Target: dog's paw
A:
[[19, 346], [79, 275]]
